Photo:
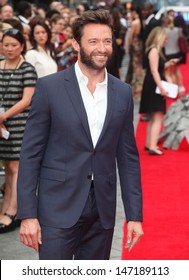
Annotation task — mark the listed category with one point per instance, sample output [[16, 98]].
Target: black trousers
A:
[[86, 240]]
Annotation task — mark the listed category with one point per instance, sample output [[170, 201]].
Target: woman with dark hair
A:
[[3, 27], [17, 82], [136, 73], [41, 56], [15, 23]]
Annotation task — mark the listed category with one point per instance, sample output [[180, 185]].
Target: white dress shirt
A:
[[149, 19], [23, 19], [42, 61], [95, 104]]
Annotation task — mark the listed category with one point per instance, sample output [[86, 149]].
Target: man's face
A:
[[6, 12], [95, 48], [28, 12], [146, 12]]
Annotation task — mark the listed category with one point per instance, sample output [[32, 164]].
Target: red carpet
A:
[[165, 183]]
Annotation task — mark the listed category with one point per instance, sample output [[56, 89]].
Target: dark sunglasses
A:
[[11, 31]]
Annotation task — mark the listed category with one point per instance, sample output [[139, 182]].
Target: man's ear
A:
[[75, 45]]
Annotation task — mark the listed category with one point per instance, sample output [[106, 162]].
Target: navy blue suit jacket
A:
[[58, 158]]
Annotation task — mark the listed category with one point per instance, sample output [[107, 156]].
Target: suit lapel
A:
[[111, 96], [74, 94]]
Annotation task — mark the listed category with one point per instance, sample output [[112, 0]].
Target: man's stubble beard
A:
[[89, 62]]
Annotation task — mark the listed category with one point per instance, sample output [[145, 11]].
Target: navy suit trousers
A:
[[86, 240]]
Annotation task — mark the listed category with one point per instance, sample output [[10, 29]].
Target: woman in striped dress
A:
[[17, 82]]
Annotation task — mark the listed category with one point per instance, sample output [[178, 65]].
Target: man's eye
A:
[[109, 42]]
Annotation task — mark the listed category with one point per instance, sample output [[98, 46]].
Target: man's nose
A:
[[101, 46]]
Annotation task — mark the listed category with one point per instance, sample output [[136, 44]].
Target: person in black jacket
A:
[[149, 22]]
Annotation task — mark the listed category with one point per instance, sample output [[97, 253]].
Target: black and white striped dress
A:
[[12, 84]]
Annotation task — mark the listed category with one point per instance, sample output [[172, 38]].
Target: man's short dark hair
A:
[[96, 17], [22, 7]]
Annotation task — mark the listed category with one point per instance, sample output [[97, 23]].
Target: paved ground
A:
[[12, 249]]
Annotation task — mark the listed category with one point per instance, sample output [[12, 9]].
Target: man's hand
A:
[[134, 233], [30, 233]]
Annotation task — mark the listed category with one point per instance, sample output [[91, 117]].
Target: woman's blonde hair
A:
[[167, 21], [156, 39]]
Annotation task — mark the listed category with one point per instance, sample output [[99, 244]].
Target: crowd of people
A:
[[37, 40]]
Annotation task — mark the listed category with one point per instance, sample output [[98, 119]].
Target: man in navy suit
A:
[[150, 22], [80, 124]]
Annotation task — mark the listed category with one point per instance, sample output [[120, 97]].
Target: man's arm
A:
[[130, 178], [32, 151], [33, 147]]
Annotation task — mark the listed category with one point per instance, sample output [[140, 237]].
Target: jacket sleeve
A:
[[129, 168], [32, 150]]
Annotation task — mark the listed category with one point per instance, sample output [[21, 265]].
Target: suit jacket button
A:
[[89, 177]]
